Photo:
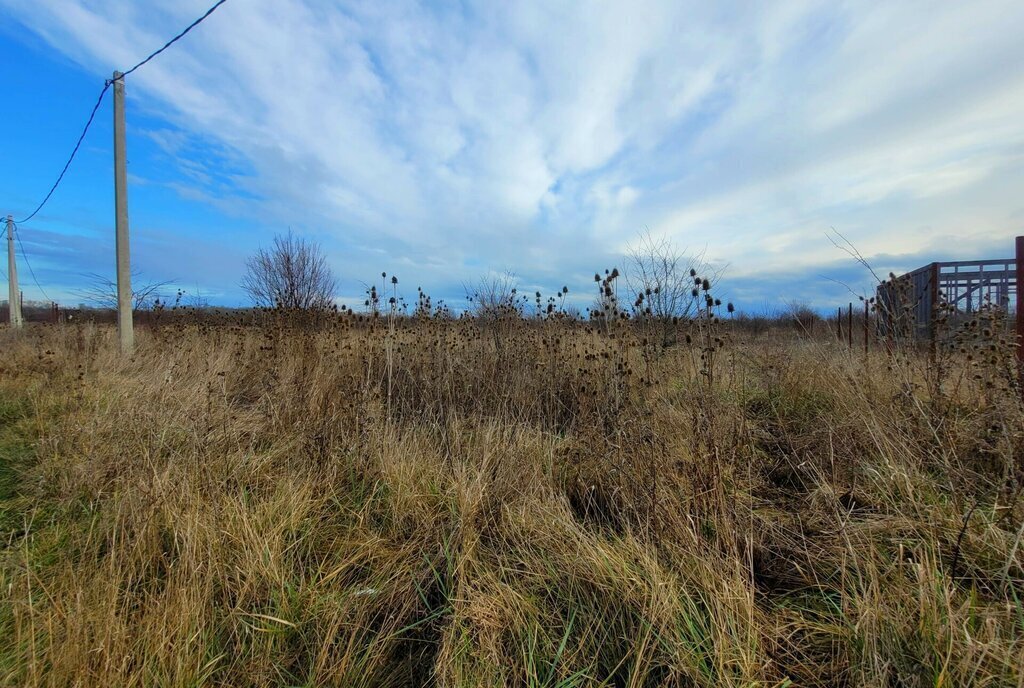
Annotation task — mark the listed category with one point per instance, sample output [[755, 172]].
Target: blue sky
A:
[[441, 141]]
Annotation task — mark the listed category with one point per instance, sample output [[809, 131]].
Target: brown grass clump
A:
[[514, 500]]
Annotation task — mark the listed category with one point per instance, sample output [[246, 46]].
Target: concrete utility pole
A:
[[13, 298], [125, 329]]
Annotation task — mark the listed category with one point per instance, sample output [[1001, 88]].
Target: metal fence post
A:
[[1020, 308]]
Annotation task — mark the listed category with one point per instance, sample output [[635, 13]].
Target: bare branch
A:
[[662, 279], [847, 247], [101, 291], [292, 274]]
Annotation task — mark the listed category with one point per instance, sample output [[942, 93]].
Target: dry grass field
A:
[[506, 502]]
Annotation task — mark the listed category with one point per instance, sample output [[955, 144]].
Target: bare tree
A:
[[496, 304], [292, 274], [102, 291], [495, 297], [662, 278]]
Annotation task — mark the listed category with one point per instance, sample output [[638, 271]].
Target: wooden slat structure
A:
[[906, 304]]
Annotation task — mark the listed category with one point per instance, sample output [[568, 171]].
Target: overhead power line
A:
[[174, 40], [99, 100], [17, 235], [71, 157]]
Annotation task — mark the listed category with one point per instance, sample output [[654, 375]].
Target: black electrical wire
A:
[[99, 100], [17, 235], [174, 40], [78, 145]]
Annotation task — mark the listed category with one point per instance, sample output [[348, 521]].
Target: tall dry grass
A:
[[421, 502]]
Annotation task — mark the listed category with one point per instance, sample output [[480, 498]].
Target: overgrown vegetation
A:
[[518, 499]]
